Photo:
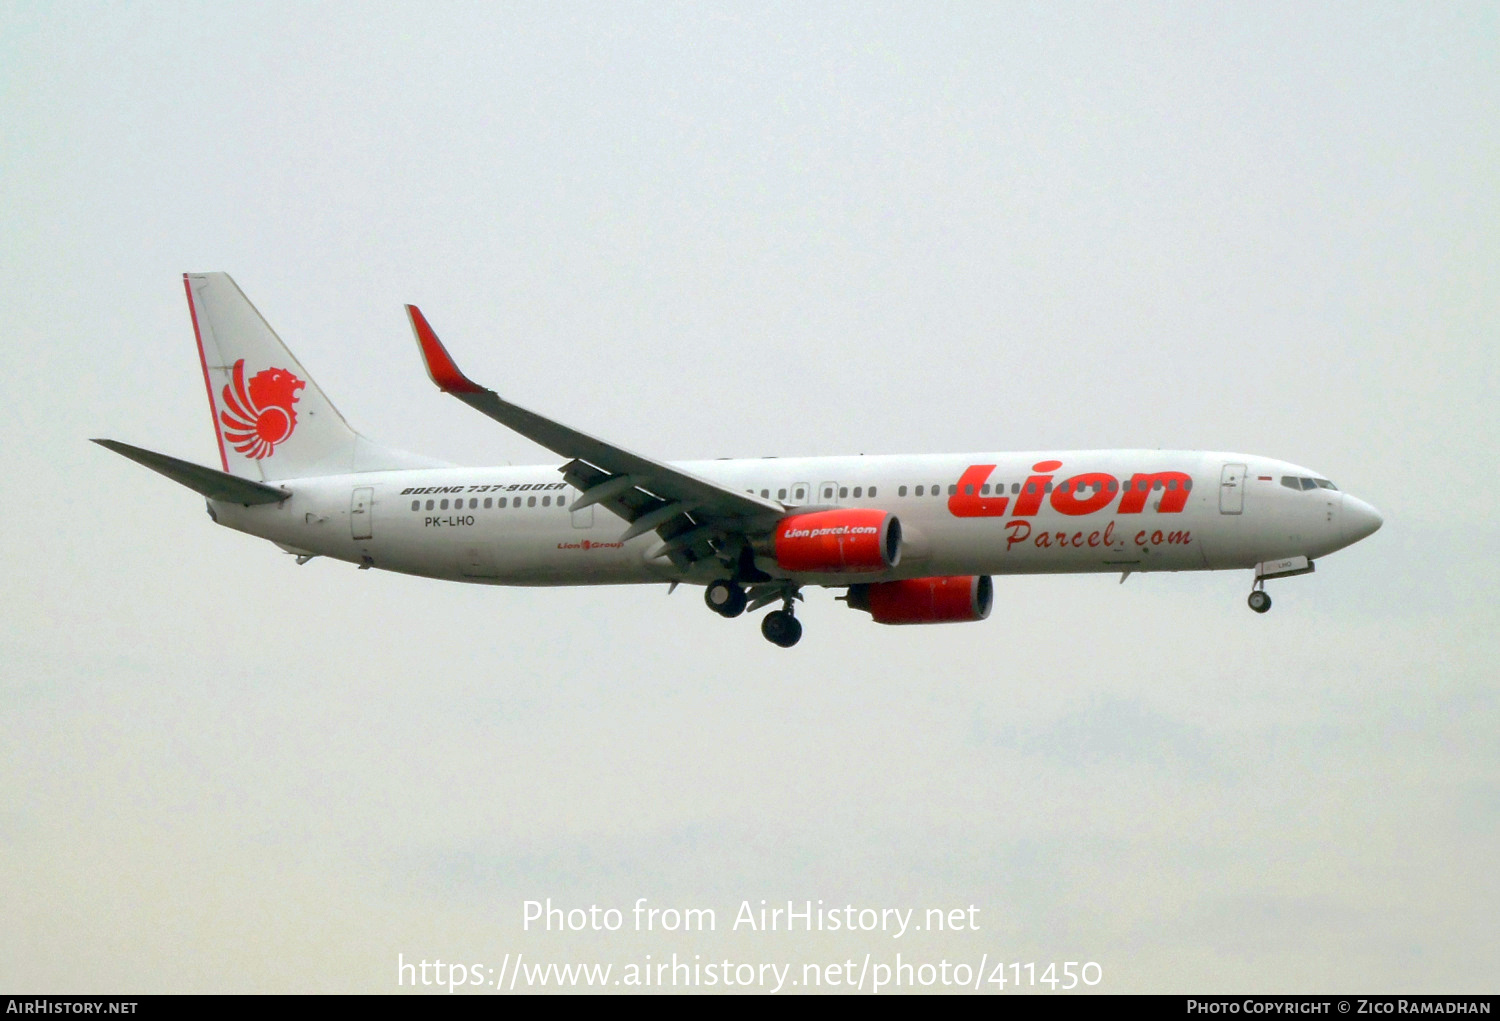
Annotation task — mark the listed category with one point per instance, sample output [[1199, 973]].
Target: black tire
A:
[[737, 601], [1259, 601], [781, 628], [725, 598]]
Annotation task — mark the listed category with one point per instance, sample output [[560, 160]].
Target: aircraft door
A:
[[799, 494], [1232, 489], [360, 513]]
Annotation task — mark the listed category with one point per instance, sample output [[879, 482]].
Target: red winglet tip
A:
[[439, 364]]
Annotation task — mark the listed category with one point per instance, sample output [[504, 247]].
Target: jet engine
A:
[[953, 599], [851, 540]]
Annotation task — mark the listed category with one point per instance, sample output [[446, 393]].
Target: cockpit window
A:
[[1301, 482]]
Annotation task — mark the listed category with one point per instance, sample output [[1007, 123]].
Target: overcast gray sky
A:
[[732, 231]]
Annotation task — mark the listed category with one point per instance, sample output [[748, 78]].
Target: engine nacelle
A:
[[851, 540], [953, 599]]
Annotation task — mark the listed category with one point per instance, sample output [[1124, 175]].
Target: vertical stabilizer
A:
[[272, 420]]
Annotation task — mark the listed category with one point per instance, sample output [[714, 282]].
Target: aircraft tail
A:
[[272, 420]]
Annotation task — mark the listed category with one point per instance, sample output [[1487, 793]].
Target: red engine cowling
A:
[[847, 541], [954, 599]]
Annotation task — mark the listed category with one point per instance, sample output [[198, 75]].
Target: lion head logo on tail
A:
[[258, 417]]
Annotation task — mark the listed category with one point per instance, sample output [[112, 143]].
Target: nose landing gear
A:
[[1260, 599], [1287, 567]]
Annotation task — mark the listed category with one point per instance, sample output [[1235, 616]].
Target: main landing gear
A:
[[781, 627], [725, 598]]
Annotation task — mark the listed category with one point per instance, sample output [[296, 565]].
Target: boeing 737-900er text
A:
[[914, 539]]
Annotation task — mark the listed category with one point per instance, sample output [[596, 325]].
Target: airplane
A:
[[912, 539]]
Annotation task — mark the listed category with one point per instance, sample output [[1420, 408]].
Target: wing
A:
[[695, 518]]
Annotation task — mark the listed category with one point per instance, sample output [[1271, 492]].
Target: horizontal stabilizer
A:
[[214, 484]]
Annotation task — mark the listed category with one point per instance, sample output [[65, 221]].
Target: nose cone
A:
[[1358, 519]]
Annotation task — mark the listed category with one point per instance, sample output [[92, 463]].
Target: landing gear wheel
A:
[[781, 628], [1259, 601], [725, 598]]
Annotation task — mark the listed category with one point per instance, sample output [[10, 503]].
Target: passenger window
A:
[[952, 489], [984, 490], [429, 505], [920, 490], [473, 503], [843, 492], [1156, 485], [1031, 487], [444, 505], [546, 501], [872, 492], [416, 505], [765, 494], [1048, 488], [901, 491], [501, 504], [859, 491], [781, 494], [531, 501], [488, 503], [561, 500], [1187, 484], [1015, 489]]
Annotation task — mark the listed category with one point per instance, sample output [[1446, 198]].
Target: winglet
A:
[[439, 364]]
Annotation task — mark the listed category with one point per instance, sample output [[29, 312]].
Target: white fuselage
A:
[[1033, 513]]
